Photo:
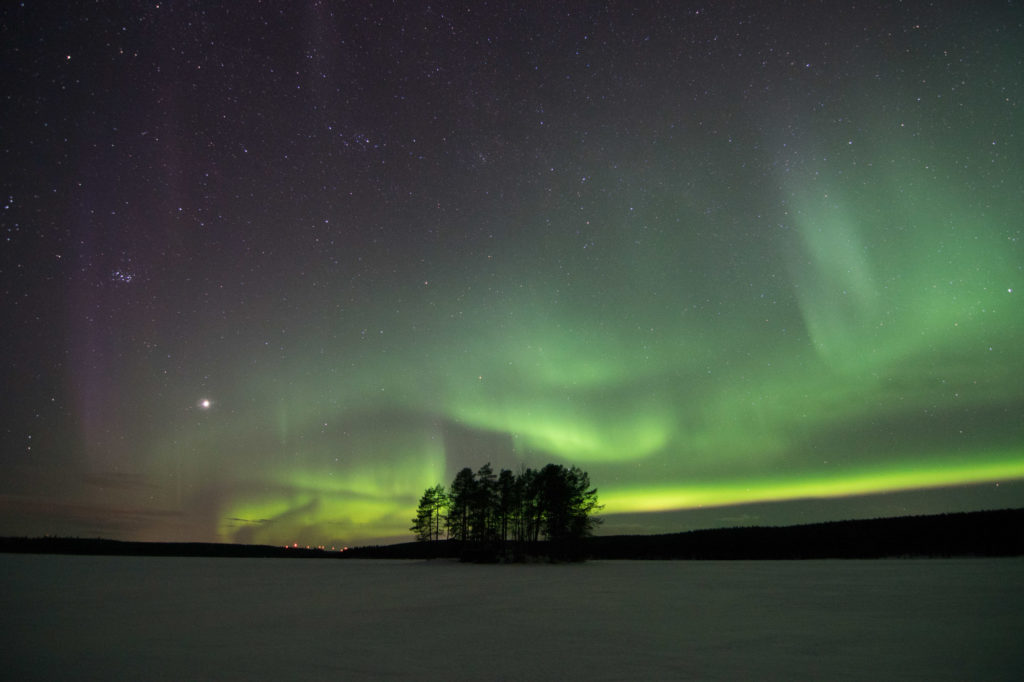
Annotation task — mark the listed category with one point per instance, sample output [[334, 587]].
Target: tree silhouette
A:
[[460, 501], [483, 505], [566, 504], [511, 515], [430, 514], [507, 494]]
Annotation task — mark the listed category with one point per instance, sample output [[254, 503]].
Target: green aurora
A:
[[889, 362], [781, 266]]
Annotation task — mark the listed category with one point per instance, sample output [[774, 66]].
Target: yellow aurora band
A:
[[885, 480]]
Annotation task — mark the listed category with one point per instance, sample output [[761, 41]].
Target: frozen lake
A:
[[147, 618]]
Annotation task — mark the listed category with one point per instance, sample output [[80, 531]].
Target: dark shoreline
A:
[[104, 547], [998, 533]]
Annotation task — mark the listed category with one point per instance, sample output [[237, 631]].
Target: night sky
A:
[[269, 270]]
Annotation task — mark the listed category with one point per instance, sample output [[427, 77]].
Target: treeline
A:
[[510, 516], [998, 533]]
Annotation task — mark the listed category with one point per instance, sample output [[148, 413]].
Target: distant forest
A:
[[510, 517]]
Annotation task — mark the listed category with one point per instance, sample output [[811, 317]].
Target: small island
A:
[[487, 518]]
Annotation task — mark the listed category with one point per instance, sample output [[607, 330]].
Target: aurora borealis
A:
[[268, 273]]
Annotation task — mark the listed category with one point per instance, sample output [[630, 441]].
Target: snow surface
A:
[[149, 618]]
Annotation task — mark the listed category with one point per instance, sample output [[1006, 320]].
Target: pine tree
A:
[[484, 503], [460, 498], [430, 514], [507, 492], [422, 523], [567, 503]]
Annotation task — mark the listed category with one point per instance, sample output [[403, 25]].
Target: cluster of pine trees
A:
[[509, 515]]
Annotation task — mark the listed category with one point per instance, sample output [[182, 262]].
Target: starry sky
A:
[[270, 269]]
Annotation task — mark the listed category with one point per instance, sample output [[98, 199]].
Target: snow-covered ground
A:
[[144, 618]]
